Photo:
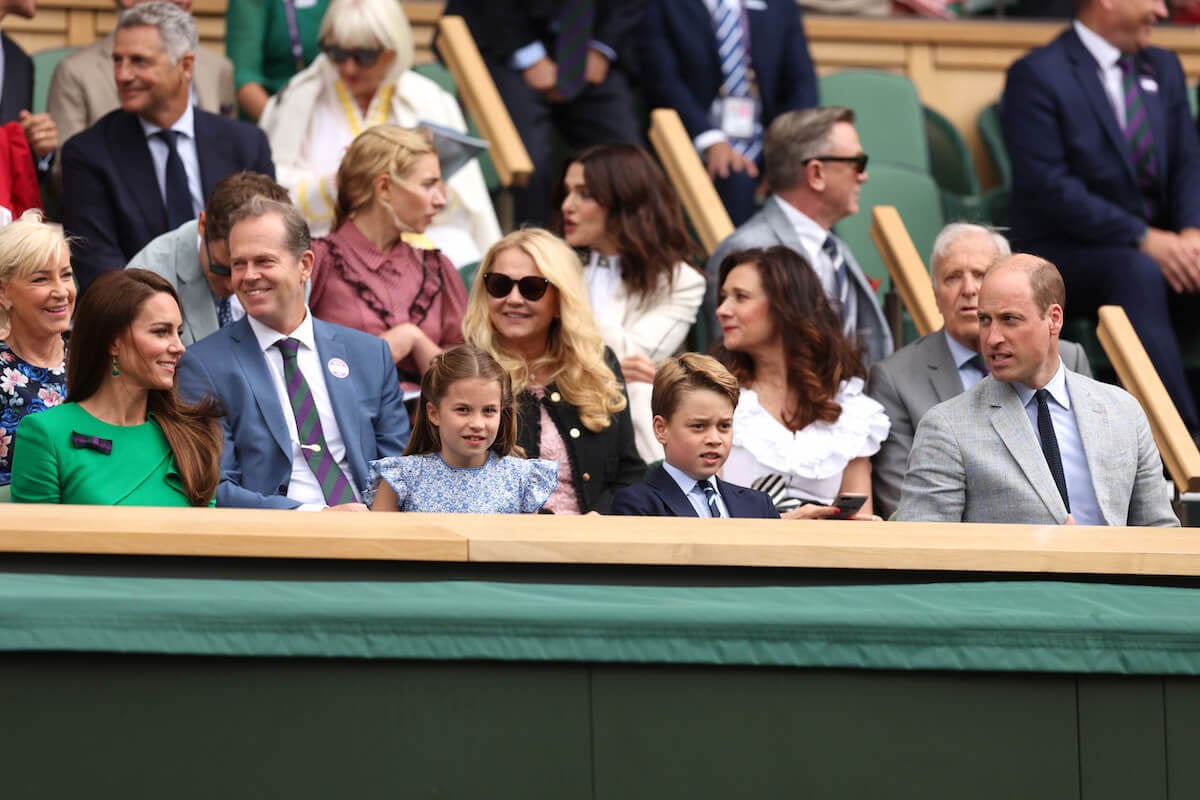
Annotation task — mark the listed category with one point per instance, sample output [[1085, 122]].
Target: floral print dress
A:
[[24, 389]]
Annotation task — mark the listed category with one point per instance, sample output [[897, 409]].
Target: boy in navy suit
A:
[[693, 401]]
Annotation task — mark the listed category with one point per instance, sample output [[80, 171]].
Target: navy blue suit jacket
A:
[[111, 199], [17, 94], [677, 55], [659, 496], [256, 463], [1073, 175]]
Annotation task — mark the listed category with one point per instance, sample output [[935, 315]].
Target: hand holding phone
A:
[[848, 505]]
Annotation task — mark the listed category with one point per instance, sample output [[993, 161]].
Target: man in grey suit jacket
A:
[[278, 364], [1033, 442], [815, 166], [942, 364], [195, 256]]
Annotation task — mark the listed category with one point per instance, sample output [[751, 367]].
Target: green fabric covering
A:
[[1003, 626]]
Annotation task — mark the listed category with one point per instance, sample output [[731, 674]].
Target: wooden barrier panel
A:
[[904, 264], [1124, 349], [547, 539], [687, 174], [482, 100]]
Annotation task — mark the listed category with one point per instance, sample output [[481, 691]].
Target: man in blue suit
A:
[[308, 404], [147, 167], [685, 49], [1106, 174]]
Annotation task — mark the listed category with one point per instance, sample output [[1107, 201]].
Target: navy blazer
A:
[[17, 94], [677, 56], [660, 496], [111, 199], [1074, 180], [256, 463]]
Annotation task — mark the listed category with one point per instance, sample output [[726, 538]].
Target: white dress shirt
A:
[[1106, 56], [813, 237]]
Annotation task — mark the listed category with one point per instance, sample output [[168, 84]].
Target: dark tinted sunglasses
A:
[[362, 56], [859, 161], [214, 266], [531, 287]]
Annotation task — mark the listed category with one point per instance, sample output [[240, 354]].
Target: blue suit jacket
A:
[[659, 496], [1073, 175], [677, 56], [256, 464], [17, 93], [111, 199]]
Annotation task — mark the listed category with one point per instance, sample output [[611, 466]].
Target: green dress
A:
[[259, 45], [59, 457]]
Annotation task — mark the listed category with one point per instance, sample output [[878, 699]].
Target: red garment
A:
[[355, 285], [19, 190]]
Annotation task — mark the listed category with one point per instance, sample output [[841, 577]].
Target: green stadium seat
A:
[[44, 62], [887, 113]]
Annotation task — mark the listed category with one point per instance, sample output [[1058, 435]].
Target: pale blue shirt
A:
[[1108, 71], [962, 355], [1085, 507], [813, 236], [694, 494], [185, 143]]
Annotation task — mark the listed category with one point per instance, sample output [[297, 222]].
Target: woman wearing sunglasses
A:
[[363, 78], [529, 309], [618, 208], [366, 276]]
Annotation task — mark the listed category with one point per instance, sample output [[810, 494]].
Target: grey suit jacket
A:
[[908, 383], [976, 458], [770, 227], [175, 256]]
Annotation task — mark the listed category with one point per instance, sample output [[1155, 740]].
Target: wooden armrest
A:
[[1140, 379], [907, 268], [687, 174], [482, 100]]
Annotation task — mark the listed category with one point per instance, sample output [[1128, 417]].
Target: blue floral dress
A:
[[501, 486], [24, 389]]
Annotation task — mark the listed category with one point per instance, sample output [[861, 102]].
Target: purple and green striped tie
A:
[[571, 49], [1138, 134], [333, 482]]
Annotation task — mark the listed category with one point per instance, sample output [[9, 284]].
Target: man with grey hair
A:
[[945, 363], [82, 89], [308, 404], [145, 168], [814, 167]]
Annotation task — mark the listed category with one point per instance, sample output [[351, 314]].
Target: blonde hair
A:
[[381, 150], [369, 24], [27, 245], [574, 354]]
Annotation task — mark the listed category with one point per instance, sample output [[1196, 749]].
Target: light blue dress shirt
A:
[[694, 494], [968, 373]]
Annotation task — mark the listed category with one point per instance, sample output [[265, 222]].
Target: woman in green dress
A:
[[123, 437]]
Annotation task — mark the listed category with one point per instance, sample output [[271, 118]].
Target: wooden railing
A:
[[687, 174], [909, 274], [1124, 349]]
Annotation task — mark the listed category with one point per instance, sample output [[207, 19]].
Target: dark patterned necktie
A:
[[1138, 135], [575, 20], [334, 485], [710, 495], [1050, 445], [175, 183], [225, 312]]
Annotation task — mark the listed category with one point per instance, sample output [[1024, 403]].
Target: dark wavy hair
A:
[[105, 314], [818, 355], [644, 220]]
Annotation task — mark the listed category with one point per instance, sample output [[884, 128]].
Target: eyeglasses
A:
[[859, 161], [363, 56], [531, 287], [214, 266]]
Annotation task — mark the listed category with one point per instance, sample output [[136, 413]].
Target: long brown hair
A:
[[448, 367], [818, 356], [104, 315], [644, 218]]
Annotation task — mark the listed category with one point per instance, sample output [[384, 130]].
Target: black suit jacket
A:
[[111, 199], [17, 93], [659, 496]]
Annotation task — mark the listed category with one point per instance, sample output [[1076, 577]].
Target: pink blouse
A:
[[564, 500], [355, 285]]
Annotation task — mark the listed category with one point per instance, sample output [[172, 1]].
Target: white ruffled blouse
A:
[[807, 464]]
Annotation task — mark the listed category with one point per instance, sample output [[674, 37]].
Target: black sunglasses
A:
[[214, 266], [363, 56], [859, 161], [531, 287]]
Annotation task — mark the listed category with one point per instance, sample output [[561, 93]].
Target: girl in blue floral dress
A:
[[463, 455]]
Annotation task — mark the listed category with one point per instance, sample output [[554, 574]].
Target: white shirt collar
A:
[[1057, 387], [268, 336], [186, 124], [1105, 53], [811, 234], [614, 262]]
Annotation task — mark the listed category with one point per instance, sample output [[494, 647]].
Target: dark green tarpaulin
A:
[[1007, 626]]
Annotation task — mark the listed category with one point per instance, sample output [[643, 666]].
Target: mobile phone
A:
[[848, 505]]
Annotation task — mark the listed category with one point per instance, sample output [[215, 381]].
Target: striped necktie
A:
[[1138, 134], [727, 23], [710, 495], [575, 20], [333, 482]]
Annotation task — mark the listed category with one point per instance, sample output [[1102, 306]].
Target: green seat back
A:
[[44, 62], [953, 169], [993, 140], [467, 273], [437, 73], [887, 112]]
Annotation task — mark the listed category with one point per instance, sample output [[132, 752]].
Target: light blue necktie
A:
[[710, 494], [735, 74]]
